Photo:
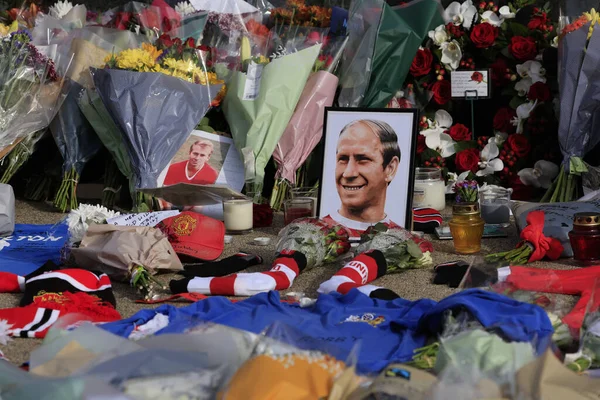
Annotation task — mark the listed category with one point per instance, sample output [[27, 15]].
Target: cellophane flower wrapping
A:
[[318, 241], [155, 112], [258, 117], [399, 247], [77, 143], [30, 89]]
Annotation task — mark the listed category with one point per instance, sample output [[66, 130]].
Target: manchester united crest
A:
[[184, 225]]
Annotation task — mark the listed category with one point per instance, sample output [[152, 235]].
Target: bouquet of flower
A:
[[534, 245], [466, 191], [80, 219], [156, 102], [257, 122], [30, 92], [319, 242], [579, 49], [296, 12], [516, 43]]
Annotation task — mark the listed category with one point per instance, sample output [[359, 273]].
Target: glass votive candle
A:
[[237, 215], [430, 189], [297, 208], [495, 206], [585, 238], [306, 193]]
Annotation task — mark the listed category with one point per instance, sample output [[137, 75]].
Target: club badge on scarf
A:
[[31, 246]]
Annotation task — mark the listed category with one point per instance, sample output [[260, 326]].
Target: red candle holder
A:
[[297, 208], [585, 238]]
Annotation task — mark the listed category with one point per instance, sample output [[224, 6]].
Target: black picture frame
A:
[[370, 113]]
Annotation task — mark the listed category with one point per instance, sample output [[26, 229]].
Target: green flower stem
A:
[[580, 365], [66, 197], [142, 280], [518, 256], [559, 185], [111, 180], [425, 357]]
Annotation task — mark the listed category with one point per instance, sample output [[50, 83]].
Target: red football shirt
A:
[[177, 173]]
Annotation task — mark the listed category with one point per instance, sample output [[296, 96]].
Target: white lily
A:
[[451, 54], [522, 87], [490, 162], [523, 112], [439, 35], [500, 137], [461, 14], [506, 13], [435, 138], [533, 70], [541, 175], [491, 18]]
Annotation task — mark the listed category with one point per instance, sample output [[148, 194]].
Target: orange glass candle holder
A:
[[466, 227]]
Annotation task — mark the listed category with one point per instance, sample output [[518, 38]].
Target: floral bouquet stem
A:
[[425, 357], [66, 197], [564, 188], [19, 155], [534, 245], [111, 180], [280, 192], [143, 281]]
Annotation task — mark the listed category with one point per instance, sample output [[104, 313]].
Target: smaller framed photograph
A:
[[471, 84], [368, 167]]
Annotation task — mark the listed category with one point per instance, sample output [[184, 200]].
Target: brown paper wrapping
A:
[[115, 250]]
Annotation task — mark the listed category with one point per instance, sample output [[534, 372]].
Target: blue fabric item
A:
[[389, 331], [31, 246]]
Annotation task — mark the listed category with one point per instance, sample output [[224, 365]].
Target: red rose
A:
[[421, 64], [477, 77], [262, 215], [484, 35], [421, 146], [519, 144], [523, 48], [538, 22], [169, 24], [424, 245], [442, 92], [459, 132], [499, 72], [122, 20], [190, 42], [539, 91], [467, 160], [165, 41], [503, 118]]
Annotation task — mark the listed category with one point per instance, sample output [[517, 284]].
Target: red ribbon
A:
[[533, 234]]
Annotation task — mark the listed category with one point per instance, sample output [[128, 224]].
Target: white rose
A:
[[439, 35]]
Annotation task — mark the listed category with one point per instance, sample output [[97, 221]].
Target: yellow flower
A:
[[263, 60], [150, 49], [180, 65], [5, 30], [136, 60], [594, 18]]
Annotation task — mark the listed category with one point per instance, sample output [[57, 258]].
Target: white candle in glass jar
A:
[[430, 189], [237, 215]]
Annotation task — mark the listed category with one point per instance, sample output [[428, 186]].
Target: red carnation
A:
[[421, 64], [190, 42], [503, 118], [442, 92], [459, 133], [467, 160], [523, 48], [539, 91], [484, 35], [519, 144], [165, 41]]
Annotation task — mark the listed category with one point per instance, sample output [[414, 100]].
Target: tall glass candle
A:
[[308, 193], [430, 189], [237, 215]]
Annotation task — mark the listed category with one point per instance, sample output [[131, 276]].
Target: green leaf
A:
[[380, 227], [413, 249], [509, 91], [467, 144], [517, 101], [518, 29]]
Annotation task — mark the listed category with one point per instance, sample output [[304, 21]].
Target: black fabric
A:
[[226, 266], [383, 294], [379, 258], [297, 256], [179, 286], [450, 274]]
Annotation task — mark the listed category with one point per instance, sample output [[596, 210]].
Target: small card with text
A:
[[470, 84]]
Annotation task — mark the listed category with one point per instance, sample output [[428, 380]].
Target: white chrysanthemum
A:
[[60, 9], [4, 332], [80, 219], [184, 8]]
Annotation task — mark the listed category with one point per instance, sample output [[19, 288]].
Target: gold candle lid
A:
[[465, 208], [587, 219]]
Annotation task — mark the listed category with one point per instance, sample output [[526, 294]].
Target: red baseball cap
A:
[[195, 235]]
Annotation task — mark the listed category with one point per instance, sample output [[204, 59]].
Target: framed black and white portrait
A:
[[368, 167]]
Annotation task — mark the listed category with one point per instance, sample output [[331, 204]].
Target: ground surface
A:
[[411, 285]]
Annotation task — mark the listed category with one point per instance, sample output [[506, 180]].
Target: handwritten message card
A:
[[470, 84]]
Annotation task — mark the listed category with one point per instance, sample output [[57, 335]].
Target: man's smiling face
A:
[[359, 171]]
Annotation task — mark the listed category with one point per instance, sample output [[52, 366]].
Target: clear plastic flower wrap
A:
[[285, 360], [30, 89], [318, 241]]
